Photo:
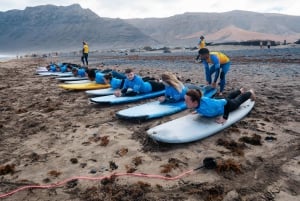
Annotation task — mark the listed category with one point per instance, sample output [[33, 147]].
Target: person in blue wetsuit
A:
[[137, 85], [220, 66], [174, 89], [79, 72], [115, 83], [219, 108], [96, 75], [52, 67]]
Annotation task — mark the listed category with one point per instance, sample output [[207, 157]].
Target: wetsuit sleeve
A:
[[216, 62], [207, 73]]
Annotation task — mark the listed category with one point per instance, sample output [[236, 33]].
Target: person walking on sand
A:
[[220, 66], [85, 53], [201, 44], [220, 108], [269, 44]]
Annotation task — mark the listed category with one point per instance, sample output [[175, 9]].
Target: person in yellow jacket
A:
[[201, 44], [220, 66], [85, 54]]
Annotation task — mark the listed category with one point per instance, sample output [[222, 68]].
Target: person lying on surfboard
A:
[[219, 108], [98, 76], [137, 85], [79, 72], [174, 89], [116, 79]]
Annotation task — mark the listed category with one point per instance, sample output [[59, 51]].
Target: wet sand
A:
[[49, 134]]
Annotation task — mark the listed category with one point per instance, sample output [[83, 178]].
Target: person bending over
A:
[[174, 89], [219, 108], [137, 85], [220, 66]]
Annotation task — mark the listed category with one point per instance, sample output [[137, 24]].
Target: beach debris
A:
[[137, 160], [7, 169], [130, 169], [72, 184], [83, 165], [104, 140], [254, 140], [93, 171], [113, 165], [54, 173], [270, 138], [232, 145], [122, 152], [74, 160], [173, 163], [228, 165]]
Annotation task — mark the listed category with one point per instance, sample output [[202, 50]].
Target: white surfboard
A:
[[194, 127], [72, 78], [100, 92], [78, 82], [59, 74]]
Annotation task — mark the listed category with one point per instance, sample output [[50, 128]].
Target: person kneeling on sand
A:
[[137, 85], [210, 107], [174, 89]]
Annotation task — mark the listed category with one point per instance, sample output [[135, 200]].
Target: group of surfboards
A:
[[188, 128]]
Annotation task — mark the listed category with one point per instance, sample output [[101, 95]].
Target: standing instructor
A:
[[85, 54]]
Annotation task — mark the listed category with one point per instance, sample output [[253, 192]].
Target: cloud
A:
[[162, 8]]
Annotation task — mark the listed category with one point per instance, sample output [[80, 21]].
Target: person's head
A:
[[192, 98], [107, 78], [57, 67], [204, 53], [171, 80], [84, 43], [129, 73], [201, 37], [74, 71], [91, 74]]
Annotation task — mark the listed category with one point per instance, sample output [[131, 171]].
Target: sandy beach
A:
[[49, 134]]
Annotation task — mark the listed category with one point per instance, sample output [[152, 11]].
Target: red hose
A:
[[93, 178]]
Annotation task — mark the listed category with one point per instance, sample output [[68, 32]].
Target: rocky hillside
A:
[[64, 28], [185, 29]]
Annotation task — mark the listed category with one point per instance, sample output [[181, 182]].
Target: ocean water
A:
[[4, 57]]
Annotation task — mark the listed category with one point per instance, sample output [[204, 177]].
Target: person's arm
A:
[[216, 62], [207, 73], [223, 119]]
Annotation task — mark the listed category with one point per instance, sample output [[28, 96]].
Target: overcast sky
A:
[[162, 8]]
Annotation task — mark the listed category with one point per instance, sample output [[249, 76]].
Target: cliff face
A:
[[64, 28]]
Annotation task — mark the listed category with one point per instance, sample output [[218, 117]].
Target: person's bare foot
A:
[[252, 97], [242, 90]]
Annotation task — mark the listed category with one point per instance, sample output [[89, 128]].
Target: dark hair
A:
[[201, 37], [195, 94], [203, 51], [108, 76], [91, 73], [128, 70]]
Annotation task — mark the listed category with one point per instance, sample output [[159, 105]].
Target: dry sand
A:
[[49, 134]]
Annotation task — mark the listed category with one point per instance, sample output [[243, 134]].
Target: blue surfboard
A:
[[156, 109], [112, 99]]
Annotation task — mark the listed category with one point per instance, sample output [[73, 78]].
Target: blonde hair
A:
[[172, 80]]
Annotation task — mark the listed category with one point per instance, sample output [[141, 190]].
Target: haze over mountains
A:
[[57, 28]]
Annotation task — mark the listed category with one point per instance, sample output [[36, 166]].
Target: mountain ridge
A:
[[63, 28]]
